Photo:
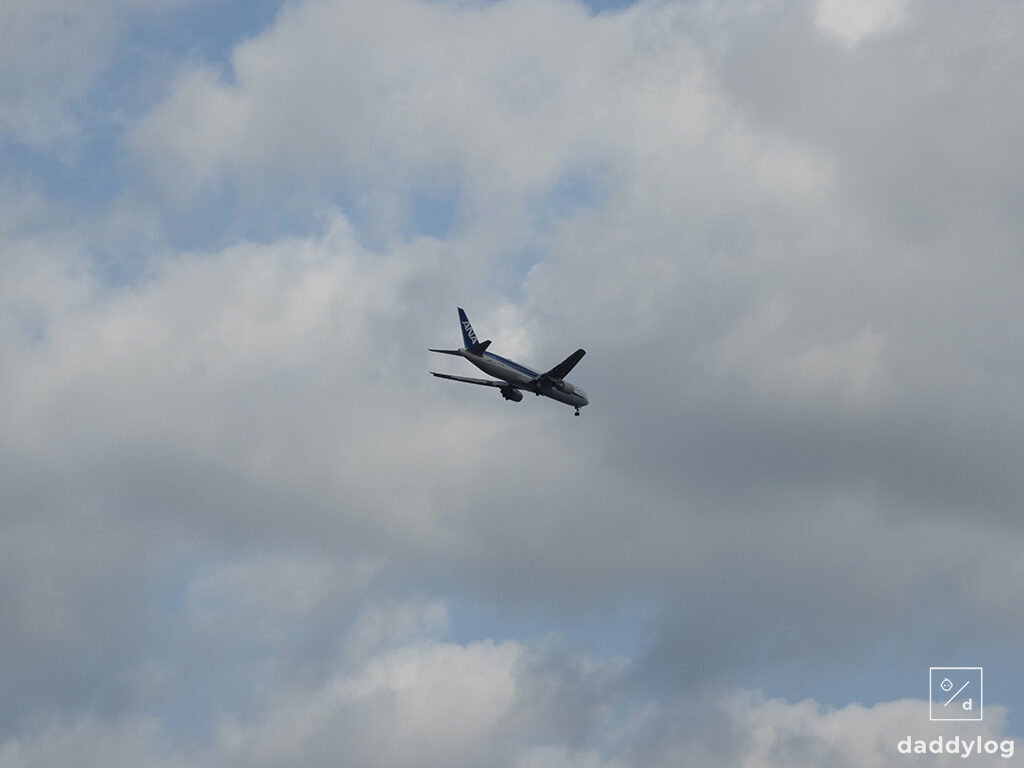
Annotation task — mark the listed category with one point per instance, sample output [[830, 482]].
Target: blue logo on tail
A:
[[468, 335]]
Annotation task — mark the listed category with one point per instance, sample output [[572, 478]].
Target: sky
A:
[[240, 524]]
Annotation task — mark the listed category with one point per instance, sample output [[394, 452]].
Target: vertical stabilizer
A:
[[468, 335]]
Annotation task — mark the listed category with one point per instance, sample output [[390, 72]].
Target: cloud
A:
[[258, 482], [783, 733], [134, 741], [481, 107], [851, 23], [430, 702], [52, 54], [243, 524], [427, 705]]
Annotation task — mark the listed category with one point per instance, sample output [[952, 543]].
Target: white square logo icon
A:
[[954, 693]]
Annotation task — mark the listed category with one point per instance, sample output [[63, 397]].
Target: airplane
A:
[[515, 378]]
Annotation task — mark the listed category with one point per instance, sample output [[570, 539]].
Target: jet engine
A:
[[511, 394]]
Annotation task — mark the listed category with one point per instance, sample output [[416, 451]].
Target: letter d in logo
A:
[[968, 705]]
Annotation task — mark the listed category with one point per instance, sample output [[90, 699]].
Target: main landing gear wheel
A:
[[577, 412]]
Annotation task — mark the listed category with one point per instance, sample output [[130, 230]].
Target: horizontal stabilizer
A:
[[478, 349], [447, 351]]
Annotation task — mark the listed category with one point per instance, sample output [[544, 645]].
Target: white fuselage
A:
[[514, 373]]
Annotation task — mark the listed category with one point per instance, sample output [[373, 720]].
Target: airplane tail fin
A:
[[473, 345], [468, 334]]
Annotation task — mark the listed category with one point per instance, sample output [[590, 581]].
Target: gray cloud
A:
[[237, 512]]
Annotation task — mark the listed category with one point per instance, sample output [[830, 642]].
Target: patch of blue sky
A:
[[582, 187], [223, 213], [608, 5], [576, 191], [31, 323], [206, 31], [595, 6], [432, 213], [90, 176], [149, 49], [87, 173], [516, 265], [612, 631]]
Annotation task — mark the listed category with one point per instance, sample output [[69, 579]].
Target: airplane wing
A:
[[484, 382], [561, 370]]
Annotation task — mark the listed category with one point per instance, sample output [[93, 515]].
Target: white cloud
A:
[[490, 103], [52, 52], [852, 21], [434, 704], [803, 733]]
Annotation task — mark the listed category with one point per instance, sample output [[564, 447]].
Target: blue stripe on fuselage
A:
[[521, 368]]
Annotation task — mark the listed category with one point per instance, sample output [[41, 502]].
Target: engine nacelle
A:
[[564, 386], [511, 394]]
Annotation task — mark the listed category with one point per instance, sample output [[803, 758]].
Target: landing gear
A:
[[577, 412]]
